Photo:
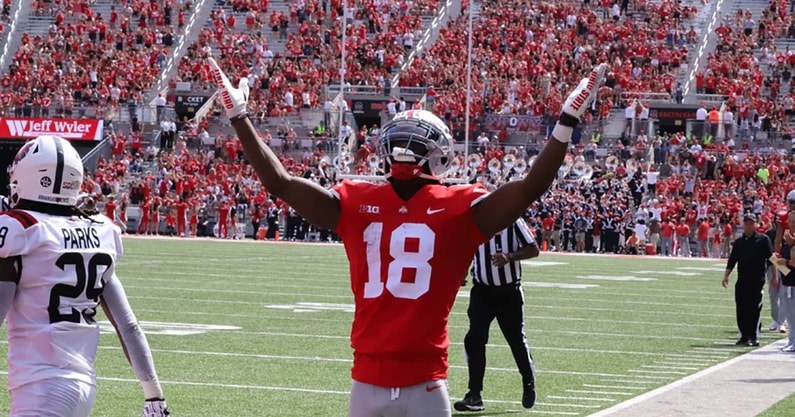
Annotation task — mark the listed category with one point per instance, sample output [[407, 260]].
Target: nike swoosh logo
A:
[[429, 212], [432, 388]]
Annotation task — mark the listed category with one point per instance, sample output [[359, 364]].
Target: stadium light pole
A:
[[467, 111]]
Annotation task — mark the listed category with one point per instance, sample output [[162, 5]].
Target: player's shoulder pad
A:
[[21, 217], [343, 189], [474, 193]]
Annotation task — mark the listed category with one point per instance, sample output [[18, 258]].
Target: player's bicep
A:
[[315, 203]]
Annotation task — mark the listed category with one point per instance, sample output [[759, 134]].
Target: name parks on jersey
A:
[[80, 238]]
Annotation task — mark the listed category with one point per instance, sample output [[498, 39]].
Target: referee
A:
[[497, 293], [750, 253]]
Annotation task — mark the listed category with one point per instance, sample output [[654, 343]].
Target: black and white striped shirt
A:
[[509, 240]]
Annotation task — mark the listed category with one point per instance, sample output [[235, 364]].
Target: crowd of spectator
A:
[[87, 60], [751, 72], [527, 54], [378, 36]]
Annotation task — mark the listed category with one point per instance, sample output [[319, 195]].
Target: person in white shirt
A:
[[728, 121], [651, 180], [50, 305], [391, 108], [401, 105], [160, 106], [629, 114], [289, 100]]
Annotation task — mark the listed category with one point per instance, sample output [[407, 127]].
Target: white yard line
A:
[[611, 386], [581, 391], [558, 397], [643, 371], [673, 367]]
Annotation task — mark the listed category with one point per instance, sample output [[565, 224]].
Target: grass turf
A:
[[244, 329], [782, 408]]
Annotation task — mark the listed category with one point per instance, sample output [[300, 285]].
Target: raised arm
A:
[[502, 207], [312, 201]]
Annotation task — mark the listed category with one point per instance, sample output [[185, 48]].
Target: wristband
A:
[[562, 133], [568, 120]]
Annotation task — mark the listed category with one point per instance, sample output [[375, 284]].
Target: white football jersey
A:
[[64, 262]]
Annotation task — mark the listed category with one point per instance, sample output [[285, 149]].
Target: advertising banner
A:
[[71, 129]]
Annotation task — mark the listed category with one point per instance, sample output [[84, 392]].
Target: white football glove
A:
[[156, 407], [234, 100], [577, 102]]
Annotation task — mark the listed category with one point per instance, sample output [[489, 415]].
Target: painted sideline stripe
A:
[[659, 391]]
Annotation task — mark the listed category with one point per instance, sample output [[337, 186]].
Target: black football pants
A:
[[506, 304], [748, 298]]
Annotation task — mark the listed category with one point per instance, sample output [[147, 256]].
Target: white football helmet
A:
[[48, 170], [416, 144]]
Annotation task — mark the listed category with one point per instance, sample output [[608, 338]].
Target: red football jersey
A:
[[407, 259]]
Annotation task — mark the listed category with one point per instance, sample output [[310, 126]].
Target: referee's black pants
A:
[[748, 299], [506, 304]]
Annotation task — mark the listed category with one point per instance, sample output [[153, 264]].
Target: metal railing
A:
[[647, 96]]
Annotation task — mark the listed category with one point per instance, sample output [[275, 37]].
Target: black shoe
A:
[[529, 395], [742, 342], [753, 343], [471, 402]]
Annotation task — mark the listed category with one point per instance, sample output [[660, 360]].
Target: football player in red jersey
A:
[[409, 241], [781, 220]]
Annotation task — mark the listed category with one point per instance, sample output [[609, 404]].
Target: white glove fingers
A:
[[220, 77]]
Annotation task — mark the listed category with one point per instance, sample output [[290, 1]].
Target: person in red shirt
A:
[[223, 221], [181, 208], [110, 209], [683, 238], [702, 236], [143, 225], [194, 219], [409, 241], [667, 230], [546, 230], [781, 220]]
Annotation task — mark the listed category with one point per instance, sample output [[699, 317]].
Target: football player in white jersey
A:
[[57, 265]]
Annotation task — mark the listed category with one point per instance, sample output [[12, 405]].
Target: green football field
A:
[[255, 329]]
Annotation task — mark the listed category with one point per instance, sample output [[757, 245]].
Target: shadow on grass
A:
[[486, 414], [769, 381]]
